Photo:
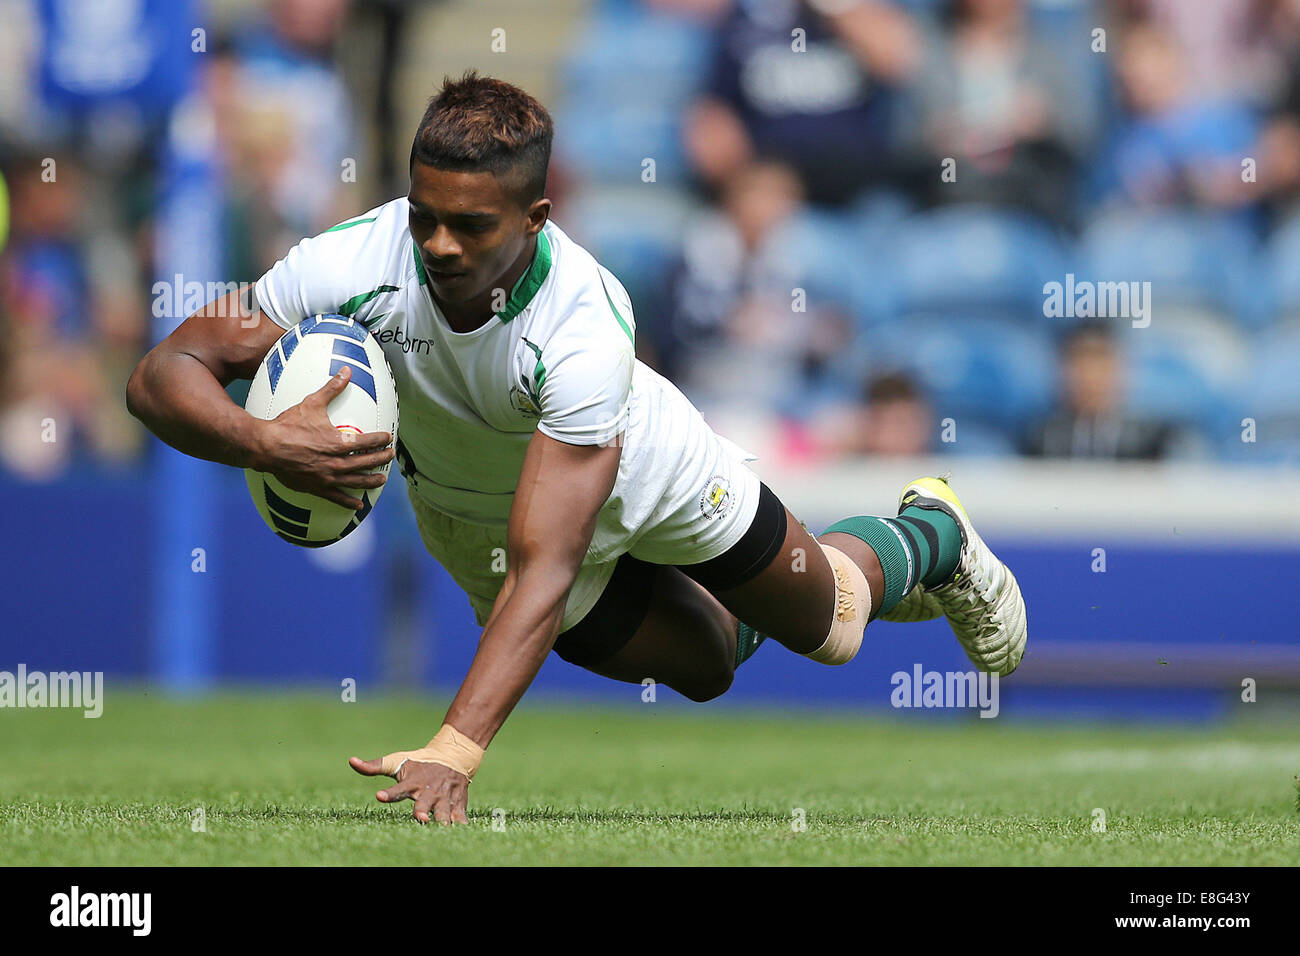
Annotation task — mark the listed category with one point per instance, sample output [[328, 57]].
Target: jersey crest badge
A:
[[716, 498]]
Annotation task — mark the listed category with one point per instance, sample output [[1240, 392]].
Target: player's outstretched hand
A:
[[439, 792], [303, 449]]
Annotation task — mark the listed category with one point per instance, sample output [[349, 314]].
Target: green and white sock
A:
[[747, 641], [937, 542], [920, 545]]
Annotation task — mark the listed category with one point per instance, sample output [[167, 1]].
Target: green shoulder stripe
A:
[[350, 223], [349, 308], [630, 337]]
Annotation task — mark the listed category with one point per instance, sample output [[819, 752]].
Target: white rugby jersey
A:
[[559, 357]]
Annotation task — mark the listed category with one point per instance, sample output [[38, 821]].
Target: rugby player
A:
[[638, 543]]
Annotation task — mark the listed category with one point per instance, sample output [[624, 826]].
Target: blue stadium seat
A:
[[1190, 259], [994, 370], [629, 52], [1269, 395], [626, 85], [1274, 386], [976, 260], [1062, 13], [611, 144], [842, 264], [980, 439], [634, 231], [1164, 384], [1183, 366], [872, 286], [1282, 258]]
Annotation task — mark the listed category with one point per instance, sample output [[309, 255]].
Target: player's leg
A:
[[928, 554], [790, 590], [682, 626], [649, 620], [652, 621], [778, 577], [655, 621]]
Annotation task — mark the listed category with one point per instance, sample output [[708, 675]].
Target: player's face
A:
[[469, 229]]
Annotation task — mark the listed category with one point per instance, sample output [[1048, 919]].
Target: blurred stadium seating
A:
[[951, 293]]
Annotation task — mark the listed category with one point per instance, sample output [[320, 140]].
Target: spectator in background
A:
[[1090, 421], [1014, 109], [733, 332], [820, 101], [280, 96], [893, 420], [70, 318], [74, 299], [19, 50], [1172, 148], [88, 95], [1278, 149], [1234, 43]]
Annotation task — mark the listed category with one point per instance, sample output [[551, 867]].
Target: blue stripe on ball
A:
[[360, 377], [350, 350], [335, 325], [278, 505], [274, 368], [289, 342]]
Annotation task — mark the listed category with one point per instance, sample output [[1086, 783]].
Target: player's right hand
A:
[[440, 793], [303, 449]]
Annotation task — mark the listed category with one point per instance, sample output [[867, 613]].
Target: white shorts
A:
[[684, 494]]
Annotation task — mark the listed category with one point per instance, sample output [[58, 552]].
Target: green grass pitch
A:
[[635, 784]]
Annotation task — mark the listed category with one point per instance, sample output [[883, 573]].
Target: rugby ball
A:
[[304, 359]]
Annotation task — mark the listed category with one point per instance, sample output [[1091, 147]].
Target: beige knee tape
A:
[[852, 608], [449, 747]]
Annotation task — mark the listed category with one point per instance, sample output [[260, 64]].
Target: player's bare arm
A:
[[178, 391], [561, 490]]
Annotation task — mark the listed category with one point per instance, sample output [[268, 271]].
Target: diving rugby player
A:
[[638, 543]]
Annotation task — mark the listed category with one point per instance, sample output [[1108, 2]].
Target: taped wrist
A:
[[852, 607], [449, 748]]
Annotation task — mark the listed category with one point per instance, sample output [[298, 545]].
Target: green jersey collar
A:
[[530, 281], [525, 288]]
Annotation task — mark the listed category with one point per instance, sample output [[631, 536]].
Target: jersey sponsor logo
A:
[[716, 499], [404, 342]]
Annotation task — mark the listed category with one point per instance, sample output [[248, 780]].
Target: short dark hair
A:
[[1084, 331], [481, 124], [893, 387]]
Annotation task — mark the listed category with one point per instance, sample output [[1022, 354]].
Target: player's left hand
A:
[[439, 792]]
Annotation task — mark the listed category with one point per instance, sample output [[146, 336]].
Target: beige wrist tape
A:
[[449, 747], [852, 608]]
